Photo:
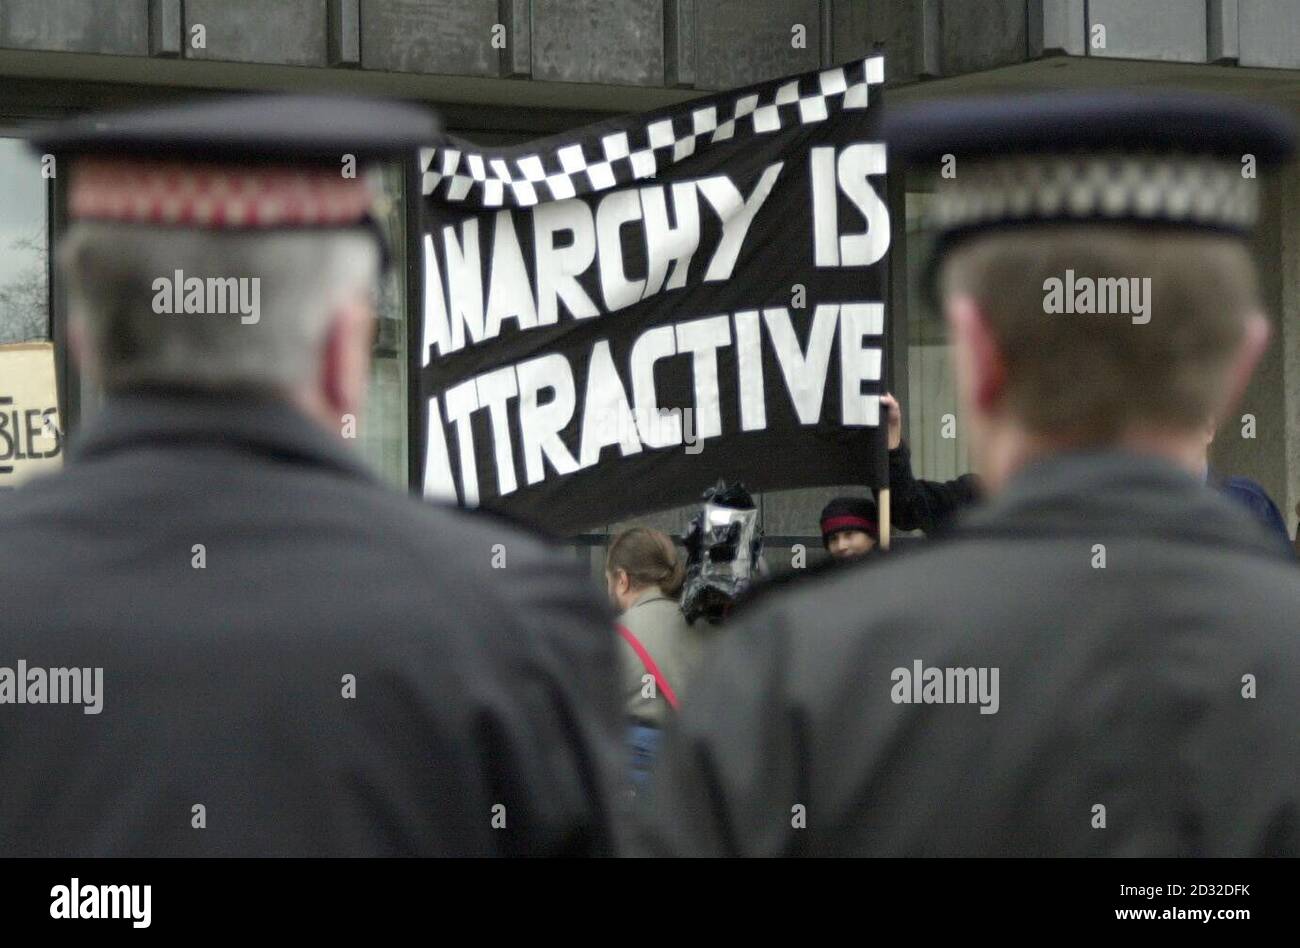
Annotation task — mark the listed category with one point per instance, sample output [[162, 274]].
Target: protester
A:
[[660, 648], [850, 528], [1102, 659], [294, 659], [916, 504]]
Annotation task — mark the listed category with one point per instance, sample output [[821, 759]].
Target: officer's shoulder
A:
[[506, 578], [31, 503], [833, 587], [448, 530]]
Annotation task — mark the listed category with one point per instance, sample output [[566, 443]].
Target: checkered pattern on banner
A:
[[483, 179]]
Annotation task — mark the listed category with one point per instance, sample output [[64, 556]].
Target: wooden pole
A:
[[882, 503]]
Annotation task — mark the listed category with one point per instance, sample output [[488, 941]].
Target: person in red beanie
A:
[[850, 527]]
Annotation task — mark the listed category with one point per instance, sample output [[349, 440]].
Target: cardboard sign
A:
[[31, 432]]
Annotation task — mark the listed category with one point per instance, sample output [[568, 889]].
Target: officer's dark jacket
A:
[[485, 718], [1146, 706]]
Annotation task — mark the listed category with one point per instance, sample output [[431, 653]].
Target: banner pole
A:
[[882, 504]]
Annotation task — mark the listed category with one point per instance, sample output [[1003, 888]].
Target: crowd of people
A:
[[1098, 657]]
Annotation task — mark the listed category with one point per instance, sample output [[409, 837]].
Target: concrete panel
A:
[[892, 26], [77, 26], [166, 24], [344, 25], [747, 41], [1269, 33], [449, 37], [1165, 30], [1056, 26], [679, 42], [981, 36], [517, 58], [1222, 31], [929, 39], [292, 32], [606, 41], [851, 29]]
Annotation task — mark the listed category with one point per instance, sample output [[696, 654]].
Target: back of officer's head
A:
[[298, 306], [1182, 344], [1091, 255], [230, 245]]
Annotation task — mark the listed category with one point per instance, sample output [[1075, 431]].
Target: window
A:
[[24, 245], [382, 432], [933, 427]]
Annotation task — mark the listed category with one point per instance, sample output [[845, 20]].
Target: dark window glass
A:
[[24, 245]]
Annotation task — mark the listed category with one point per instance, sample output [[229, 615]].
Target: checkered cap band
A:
[[1208, 192], [582, 167], [216, 196]]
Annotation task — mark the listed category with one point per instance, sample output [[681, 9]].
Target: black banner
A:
[[617, 317]]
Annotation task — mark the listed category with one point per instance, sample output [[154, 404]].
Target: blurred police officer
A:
[[295, 660], [1105, 658]]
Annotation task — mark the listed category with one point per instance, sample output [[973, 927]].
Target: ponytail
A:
[[649, 559]]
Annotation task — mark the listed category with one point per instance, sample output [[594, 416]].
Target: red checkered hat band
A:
[[216, 196]]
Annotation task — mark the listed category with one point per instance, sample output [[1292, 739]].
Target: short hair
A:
[[649, 559], [111, 270], [1092, 377]]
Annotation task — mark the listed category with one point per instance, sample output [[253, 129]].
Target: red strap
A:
[[660, 681], [848, 522]]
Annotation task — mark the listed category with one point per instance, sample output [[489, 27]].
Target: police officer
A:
[[294, 659], [1077, 671]]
